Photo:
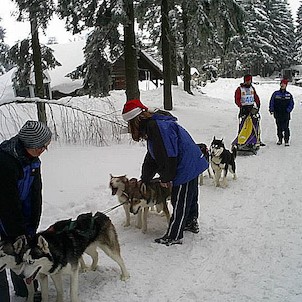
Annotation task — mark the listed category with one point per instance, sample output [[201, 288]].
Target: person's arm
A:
[[290, 106], [149, 168], [11, 214], [272, 103], [36, 201], [238, 97], [166, 163], [256, 98]]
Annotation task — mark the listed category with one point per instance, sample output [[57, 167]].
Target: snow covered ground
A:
[[249, 247]]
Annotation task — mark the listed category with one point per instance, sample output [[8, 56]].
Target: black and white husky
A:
[[59, 249], [222, 161], [11, 257]]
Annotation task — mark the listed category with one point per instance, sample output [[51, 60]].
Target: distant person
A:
[[248, 101], [21, 191], [281, 105], [172, 153]]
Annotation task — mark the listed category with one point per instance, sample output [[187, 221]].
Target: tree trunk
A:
[[187, 68], [166, 53], [37, 58], [130, 54], [174, 72]]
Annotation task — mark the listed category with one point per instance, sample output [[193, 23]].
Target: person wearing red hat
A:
[[281, 105], [248, 101], [246, 97], [172, 153]]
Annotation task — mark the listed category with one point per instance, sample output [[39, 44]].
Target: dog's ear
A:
[[43, 245], [19, 243], [110, 175]]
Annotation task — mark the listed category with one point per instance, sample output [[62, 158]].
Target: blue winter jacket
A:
[[20, 190], [281, 104], [172, 153]]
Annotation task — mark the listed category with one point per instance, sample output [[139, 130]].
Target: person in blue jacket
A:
[[171, 153], [281, 105], [21, 191]]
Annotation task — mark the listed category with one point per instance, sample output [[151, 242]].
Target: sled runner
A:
[[248, 139]]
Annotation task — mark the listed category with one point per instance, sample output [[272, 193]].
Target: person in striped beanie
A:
[[21, 191]]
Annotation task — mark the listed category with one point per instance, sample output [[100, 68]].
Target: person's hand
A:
[[165, 184]]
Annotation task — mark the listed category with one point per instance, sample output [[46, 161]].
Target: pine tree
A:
[[104, 17], [38, 12], [3, 51], [298, 56]]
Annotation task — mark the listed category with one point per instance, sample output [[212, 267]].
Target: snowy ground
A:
[[249, 247]]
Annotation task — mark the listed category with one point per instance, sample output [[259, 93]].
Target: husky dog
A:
[[11, 254], [205, 151], [222, 161], [145, 196], [58, 251], [120, 186]]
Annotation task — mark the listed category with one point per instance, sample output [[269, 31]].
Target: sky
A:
[[16, 31], [249, 245]]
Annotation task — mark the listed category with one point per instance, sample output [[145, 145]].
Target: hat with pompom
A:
[[34, 135], [132, 109]]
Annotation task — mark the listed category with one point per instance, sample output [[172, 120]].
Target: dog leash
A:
[[112, 208]]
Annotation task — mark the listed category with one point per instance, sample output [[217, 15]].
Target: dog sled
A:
[[248, 138]]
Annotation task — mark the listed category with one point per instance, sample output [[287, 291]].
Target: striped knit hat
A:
[[34, 134]]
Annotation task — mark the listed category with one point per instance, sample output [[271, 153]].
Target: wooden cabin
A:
[[148, 70]]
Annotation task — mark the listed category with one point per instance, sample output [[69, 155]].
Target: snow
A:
[[249, 247]]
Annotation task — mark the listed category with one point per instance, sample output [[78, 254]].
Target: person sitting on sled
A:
[[248, 101]]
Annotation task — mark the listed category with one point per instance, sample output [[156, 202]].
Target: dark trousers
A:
[[4, 289], [283, 129], [184, 200], [18, 283]]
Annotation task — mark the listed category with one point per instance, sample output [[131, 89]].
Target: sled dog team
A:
[[59, 249], [171, 153]]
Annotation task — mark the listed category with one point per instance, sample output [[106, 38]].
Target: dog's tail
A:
[[234, 150]]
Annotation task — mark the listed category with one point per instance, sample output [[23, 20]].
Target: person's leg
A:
[[4, 288], [286, 131], [185, 202], [194, 208], [279, 131], [19, 285]]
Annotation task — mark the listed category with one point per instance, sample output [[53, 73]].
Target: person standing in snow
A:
[[21, 191], [172, 153], [281, 105]]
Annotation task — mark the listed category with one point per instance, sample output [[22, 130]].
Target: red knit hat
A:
[[132, 109], [284, 81], [247, 78]]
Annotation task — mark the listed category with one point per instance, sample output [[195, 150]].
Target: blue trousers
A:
[[184, 200]]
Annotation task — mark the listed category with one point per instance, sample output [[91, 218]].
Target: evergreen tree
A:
[[104, 17], [298, 56], [268, 44], [283, 32], [38, 12], [3, 51], [21, 55]]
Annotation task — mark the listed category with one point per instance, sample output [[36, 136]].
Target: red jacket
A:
[[238, 96]]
